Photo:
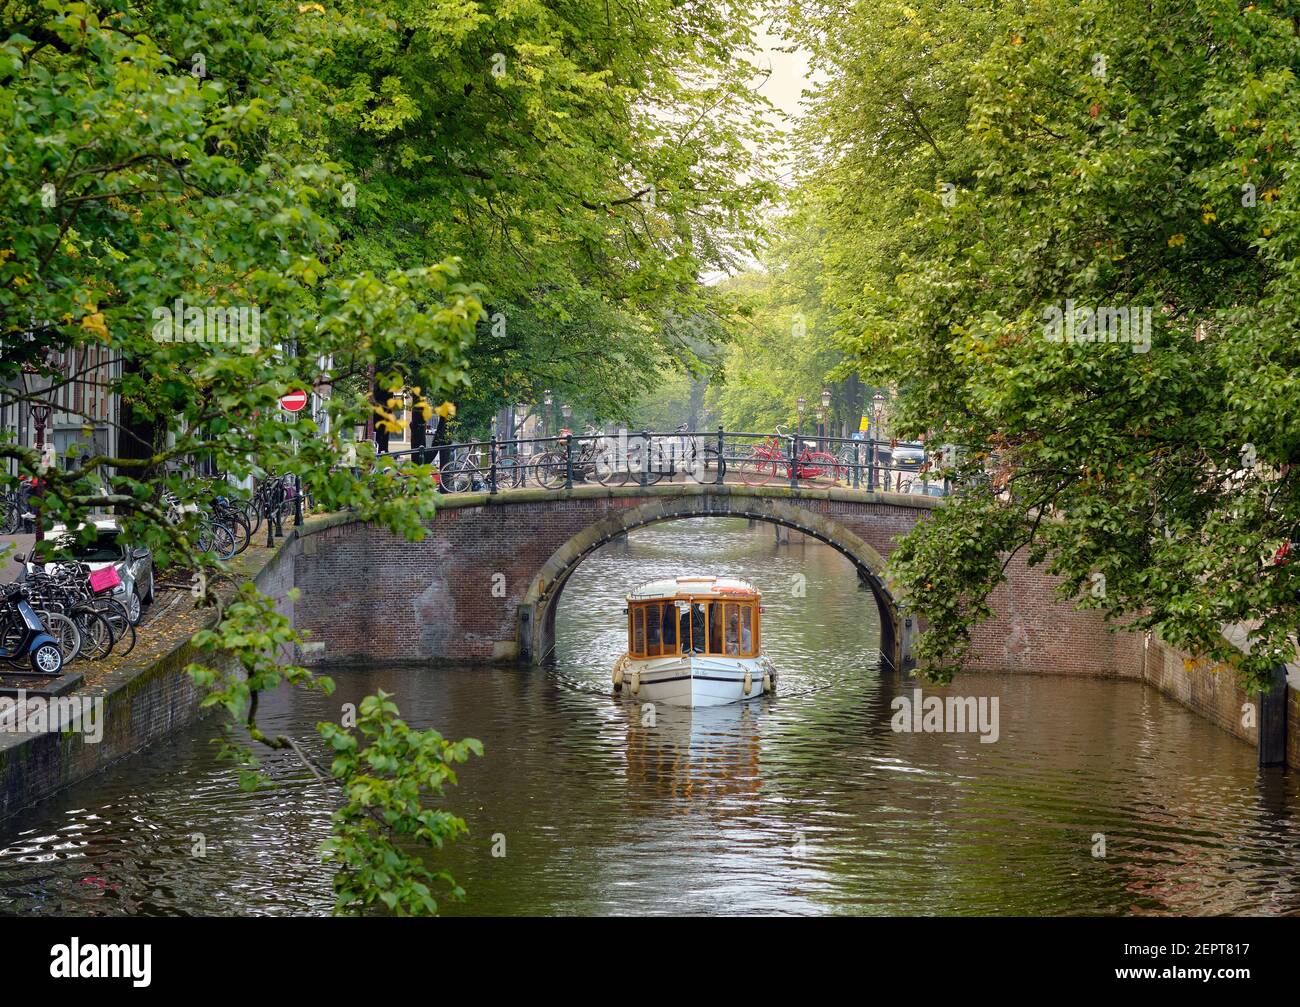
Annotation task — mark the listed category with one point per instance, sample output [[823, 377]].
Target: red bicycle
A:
[[770, 459]]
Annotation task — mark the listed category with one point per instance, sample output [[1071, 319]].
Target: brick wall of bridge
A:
[[455, 596]]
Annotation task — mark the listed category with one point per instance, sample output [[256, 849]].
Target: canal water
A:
[[805, 803]]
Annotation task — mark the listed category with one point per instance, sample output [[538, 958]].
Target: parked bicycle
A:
[[100, 623], [770, 459], [593, 457]]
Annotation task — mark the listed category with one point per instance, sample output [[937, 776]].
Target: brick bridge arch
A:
[[536, 633], [484, 582]]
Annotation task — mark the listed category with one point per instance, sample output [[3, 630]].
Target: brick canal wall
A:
[[1032, 631], [1203, 688]]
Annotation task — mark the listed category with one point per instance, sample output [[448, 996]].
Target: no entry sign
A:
[[293, 402]]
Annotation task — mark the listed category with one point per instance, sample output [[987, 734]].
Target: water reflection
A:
[[803, 803]]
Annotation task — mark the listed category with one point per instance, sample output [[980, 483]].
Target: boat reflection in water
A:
[[692, 756], [694, 641]]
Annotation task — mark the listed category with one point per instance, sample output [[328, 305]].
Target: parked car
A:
[[908, 455], [929, 489], [134, 564]]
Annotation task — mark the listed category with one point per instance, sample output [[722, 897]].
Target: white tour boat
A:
[[694, 641]]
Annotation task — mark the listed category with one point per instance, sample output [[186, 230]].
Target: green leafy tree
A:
[[1016, 160], [130, 183], [466, 201]]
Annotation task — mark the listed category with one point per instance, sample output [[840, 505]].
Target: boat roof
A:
[[696, 587]]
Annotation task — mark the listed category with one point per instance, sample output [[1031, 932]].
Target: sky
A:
[[790, 75]]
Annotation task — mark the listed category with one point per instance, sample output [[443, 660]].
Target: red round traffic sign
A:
[[294, 402]]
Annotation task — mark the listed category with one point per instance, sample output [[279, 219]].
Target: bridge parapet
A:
[[485, 582]]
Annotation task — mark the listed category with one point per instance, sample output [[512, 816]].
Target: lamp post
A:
[[821, 428], [826, 408], [800, 405], [38, 379], [877, 400]]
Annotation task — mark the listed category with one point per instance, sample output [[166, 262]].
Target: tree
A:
[[242, 200], [1078, 276], [587, 163], [142, 201]]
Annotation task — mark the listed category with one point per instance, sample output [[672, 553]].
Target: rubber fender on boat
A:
[[767, 682], [636, 681], [619, 665], [749, 681]]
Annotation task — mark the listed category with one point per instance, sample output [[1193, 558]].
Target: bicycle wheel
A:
[[705, 466], [510, 473], [119, 621], [609, 469], [458, 478], [758, 468], [96, 634], [819, 467], [550, 470], [253, 515], [239, 526], [217, 538], [654, 468], [65, 634]]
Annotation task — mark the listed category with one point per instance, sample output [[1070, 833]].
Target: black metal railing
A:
[[647, 458]]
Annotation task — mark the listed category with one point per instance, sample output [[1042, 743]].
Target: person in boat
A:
[[733, 634]]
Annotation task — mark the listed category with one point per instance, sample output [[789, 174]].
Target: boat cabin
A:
[[694, 615]]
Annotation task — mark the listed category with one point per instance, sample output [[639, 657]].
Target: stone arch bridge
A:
[[485, 582]]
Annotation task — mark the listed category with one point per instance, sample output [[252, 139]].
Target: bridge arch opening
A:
[[536, 630]]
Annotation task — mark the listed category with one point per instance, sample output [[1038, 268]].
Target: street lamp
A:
[[878, 400], [800, 404], [566, 411], [821, 428], [826, 409]]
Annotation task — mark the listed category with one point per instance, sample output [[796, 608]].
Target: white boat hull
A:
[[693, 680]]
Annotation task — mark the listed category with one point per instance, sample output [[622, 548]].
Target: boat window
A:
[[715, 627], [670, 628], [733, 630], [638, 631], [697, 628], [653, 628], [746, 629]]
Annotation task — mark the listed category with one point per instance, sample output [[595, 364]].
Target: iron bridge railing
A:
[[648, 458]]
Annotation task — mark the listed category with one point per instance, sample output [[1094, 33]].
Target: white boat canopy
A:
[[693, 587]]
